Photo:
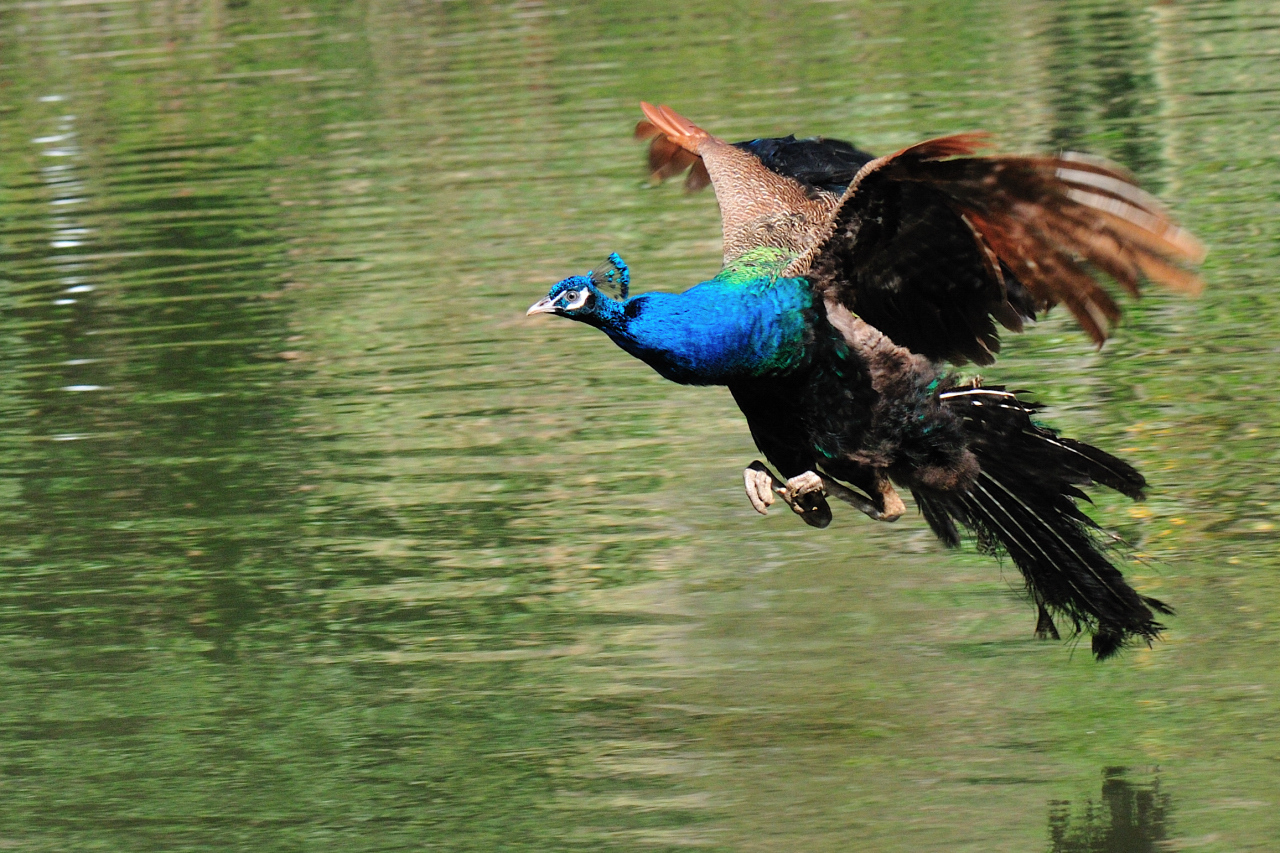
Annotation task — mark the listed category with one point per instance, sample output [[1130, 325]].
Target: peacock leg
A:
[[884, 503], [805, 493], [849, 496]]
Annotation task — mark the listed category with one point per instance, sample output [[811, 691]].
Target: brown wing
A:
[[758, 207], [673, 146], [930, 246]]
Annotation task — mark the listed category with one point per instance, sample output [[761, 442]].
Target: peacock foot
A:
[[893, 505], [759, 482], [804, 493], [889, 507]]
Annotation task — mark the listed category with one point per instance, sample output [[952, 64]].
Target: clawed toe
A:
[[803, 484], [805, 494], [759, 482]]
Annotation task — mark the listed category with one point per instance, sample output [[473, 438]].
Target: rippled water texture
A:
[[312, 541]]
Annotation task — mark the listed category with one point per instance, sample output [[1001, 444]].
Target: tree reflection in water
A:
[[1131, 818]]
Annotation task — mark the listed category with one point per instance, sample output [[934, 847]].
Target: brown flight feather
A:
[[758, 207], [1051, 221], [674, 146]]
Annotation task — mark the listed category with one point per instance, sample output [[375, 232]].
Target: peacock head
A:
[[579, 297]]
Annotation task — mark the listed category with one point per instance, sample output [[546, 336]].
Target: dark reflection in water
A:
[[1103, 89], [1129, 817]]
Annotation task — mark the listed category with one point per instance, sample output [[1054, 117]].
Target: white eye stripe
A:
[[579, 301]]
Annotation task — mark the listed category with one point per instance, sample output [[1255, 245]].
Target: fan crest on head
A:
[[614, 279]]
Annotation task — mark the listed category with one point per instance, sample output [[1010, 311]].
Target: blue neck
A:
[[716, 333]]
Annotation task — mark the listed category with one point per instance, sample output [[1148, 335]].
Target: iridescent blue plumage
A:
[[735, 327], [717, 332]]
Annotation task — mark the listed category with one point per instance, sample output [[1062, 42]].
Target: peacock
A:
[[851, 283]]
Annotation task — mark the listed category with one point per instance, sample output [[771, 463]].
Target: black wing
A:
[[829, 165], [932, 248]]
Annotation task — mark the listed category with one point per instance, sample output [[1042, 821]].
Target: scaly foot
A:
[[759, 482], [891, 505], [805, 494]]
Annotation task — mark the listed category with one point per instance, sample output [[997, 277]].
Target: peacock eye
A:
[[571, 295]]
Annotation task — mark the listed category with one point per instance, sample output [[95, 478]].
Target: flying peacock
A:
[[849, 283]]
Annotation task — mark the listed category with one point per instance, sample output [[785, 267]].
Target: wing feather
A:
[[934, 245], [1040, 230], [759, 207], [674, 146]]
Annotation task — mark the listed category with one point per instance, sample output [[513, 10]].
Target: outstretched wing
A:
[[932, 247], [820, 165], [778, 193]]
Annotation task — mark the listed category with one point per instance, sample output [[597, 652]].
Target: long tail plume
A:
[[1024, 502]]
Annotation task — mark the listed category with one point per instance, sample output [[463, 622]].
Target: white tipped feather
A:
[[1030, 537], [1081, 558], [1112, 185]]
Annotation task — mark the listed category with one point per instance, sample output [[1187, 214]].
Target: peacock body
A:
[[849, 283]]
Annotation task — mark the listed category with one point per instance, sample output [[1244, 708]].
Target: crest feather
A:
[[614, 279]]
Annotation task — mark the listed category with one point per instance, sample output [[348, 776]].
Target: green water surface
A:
[[311, 541]]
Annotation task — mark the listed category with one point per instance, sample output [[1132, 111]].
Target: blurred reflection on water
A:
[[311, 541], [1130, 818]]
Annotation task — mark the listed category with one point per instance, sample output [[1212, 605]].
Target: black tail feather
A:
[[1024, 499], [1045, 629]]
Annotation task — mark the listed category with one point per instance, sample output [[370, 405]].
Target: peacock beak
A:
[[542, 306]]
